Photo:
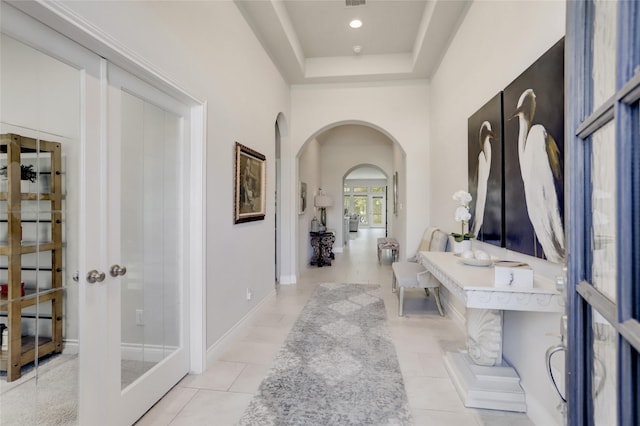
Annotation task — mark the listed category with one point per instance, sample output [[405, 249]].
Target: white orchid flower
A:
[[462, 214], [463, 197]]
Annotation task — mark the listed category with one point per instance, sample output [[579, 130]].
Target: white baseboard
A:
[[287, 279], [70, 347], [215, 350]]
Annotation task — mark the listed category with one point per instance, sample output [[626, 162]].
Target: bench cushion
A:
[[439, 241], [406, 273]]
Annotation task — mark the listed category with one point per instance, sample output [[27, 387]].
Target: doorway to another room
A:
[[365, 198]]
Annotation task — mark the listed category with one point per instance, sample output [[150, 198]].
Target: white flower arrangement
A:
[[462, 215]]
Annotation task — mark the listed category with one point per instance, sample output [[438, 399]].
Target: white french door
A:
[[147, 133], [126, 219], [603, 289]]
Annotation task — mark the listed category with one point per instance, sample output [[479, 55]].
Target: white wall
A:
[[397, 109], [212, 54], [308, 172], [496, 42]]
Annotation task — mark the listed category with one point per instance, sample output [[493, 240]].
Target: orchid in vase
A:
[[462, 215]]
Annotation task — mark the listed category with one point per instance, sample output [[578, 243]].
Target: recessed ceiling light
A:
[[356, 23]]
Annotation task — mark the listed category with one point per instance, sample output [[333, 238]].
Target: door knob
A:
[[94, 276], [117, 270]]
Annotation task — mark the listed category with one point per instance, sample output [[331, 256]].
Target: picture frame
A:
[[250, 186], [395, 193], [302, 202]]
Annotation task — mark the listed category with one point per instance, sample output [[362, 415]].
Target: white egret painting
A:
[[485, 171], [533, 159]]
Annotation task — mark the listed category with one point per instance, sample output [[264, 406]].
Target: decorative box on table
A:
[[513, 274]]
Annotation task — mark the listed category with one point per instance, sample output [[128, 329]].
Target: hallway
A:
[[221, 394]]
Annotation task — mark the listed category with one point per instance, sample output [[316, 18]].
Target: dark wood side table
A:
[[322, 244]]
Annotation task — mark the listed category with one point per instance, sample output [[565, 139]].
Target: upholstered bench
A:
[[388, 244], [411, 274]]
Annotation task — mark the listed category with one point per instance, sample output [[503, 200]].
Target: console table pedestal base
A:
[[494, 388]]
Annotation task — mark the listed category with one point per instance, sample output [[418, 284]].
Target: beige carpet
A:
[[52, 397], [49, 399]]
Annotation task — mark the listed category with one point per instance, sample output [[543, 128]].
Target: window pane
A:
[[360, 189], [604, 51], [603, 199], [377, 189], [347, 204], [360, 207], [604, 371], [377, 213], [347, 190]]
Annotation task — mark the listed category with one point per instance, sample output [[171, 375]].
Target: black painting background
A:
[[491, 231]]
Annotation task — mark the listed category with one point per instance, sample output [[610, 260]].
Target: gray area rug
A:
[[338, 366]]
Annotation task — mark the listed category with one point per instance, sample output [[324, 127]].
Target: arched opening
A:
[[340, 161]]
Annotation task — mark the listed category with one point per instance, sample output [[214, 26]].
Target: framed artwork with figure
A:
[[533, 158], [249, 185], [303, 198]]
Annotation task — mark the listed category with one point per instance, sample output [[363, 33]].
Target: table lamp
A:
[[323, 201]]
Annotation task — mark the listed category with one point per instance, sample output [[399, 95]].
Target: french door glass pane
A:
[[604, 51], [603, 199], [360, 208], [377, 214], [150, 236], [604, 371], [40, 103]]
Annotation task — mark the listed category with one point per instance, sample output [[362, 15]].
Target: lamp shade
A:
[[322, 201]]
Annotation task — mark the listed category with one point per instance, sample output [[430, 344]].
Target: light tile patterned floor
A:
[[220, 395]]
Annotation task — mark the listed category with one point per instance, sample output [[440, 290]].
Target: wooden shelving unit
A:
[[23, 349]]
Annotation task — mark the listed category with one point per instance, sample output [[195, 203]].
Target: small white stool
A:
[[388, 244]]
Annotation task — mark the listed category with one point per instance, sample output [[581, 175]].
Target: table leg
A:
[[480, 375], [484, 336]]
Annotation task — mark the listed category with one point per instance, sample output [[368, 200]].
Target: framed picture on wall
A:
[[395, 193], [303, 198], [250, 188]]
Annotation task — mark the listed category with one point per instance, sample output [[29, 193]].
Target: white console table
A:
[[481, 377]]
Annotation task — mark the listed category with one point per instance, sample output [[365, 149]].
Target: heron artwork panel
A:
[[485, 171], [534, 158]]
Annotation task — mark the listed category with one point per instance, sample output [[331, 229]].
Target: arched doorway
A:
[[323, 163]]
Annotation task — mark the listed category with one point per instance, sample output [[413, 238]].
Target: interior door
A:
[[378, 209], [148, 344], [124, 234], [360, 207], [603, 292]]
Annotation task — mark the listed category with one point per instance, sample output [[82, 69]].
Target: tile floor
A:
[[220, 395]]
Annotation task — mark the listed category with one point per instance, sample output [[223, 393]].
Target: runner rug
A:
[[338, 366]]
